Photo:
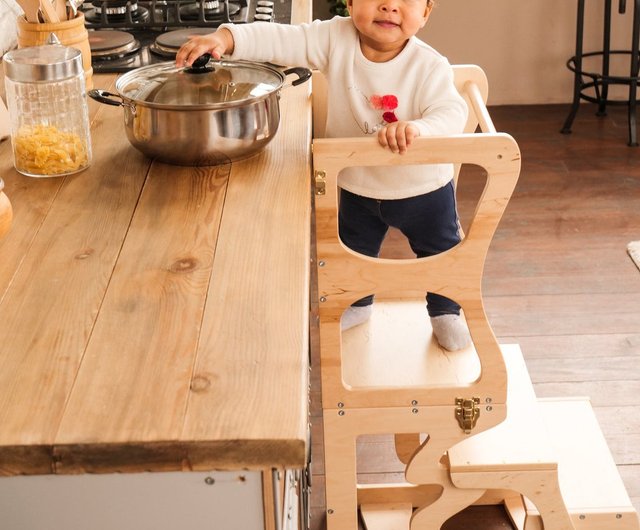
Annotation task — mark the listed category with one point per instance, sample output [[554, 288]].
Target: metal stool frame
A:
[[600, 81]]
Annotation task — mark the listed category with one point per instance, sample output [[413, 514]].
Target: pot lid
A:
[[215, 84]]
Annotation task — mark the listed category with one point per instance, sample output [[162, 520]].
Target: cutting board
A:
[[4, 120]]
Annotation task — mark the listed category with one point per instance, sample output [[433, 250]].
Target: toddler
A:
[[383, 81]]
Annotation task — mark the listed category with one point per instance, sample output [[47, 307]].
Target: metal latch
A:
[[467, 413], [321, 180]]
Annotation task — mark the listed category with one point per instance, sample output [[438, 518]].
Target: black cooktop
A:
[[145, 31]]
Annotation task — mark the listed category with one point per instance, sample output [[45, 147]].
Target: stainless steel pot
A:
[[211, 113]]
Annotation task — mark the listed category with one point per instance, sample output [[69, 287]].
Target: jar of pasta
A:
[[47, 103]]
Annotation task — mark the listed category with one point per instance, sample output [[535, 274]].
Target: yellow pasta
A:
[[45, 150]]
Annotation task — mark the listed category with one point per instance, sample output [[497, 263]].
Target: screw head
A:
[[209, 481], [414, 402], [329, 511], [323, 299], [321, 263], [341, 413]]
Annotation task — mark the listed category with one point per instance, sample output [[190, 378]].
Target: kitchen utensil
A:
[[72, 8], [48, 113], [49, 12], [60, 7], [31, 10], [215, 113]]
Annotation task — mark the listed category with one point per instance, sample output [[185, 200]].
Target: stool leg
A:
[[633, 85], [340, 474], [577, 81], [606, 54]]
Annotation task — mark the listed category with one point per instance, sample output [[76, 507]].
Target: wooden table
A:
[[155, 317]]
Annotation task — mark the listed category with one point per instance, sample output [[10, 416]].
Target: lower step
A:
[[395, 516], [592, 489]]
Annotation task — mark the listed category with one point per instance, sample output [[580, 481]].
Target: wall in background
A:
[[522, 45]]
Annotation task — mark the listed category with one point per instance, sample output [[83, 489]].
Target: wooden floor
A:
[[558, 281]]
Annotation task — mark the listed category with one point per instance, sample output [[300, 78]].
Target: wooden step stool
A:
[[444, 409]]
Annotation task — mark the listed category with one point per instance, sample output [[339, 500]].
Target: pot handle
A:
[[104, 97], [304, 74]]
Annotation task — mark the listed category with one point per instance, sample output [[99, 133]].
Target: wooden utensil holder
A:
[[69, 32]]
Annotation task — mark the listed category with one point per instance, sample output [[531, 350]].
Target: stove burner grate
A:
[[208, 10], [164, 14], [110, 12]]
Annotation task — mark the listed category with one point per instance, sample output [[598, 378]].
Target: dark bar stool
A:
[[600, 81]]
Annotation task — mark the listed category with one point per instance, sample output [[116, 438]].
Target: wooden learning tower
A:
[[467, 425]]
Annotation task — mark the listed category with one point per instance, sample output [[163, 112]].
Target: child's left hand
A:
[[398, 136]]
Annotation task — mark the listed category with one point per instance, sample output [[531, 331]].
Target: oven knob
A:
[[262, 16], [264, 10], [265, 3]]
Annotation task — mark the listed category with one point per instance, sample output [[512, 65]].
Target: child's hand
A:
[[217, 44], [398, 136]]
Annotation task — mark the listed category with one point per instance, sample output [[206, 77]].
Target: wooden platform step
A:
[[395, 516], [589, 480], [554, 449], [395, 348], [521, 442]]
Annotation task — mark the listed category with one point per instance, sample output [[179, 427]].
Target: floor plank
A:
[[558, 281]]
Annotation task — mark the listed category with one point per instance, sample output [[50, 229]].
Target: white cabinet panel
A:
[[145, 501]]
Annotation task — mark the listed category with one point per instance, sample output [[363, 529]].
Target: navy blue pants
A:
[[429, 221]]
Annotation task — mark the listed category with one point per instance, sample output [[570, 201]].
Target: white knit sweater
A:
[[419, 77]]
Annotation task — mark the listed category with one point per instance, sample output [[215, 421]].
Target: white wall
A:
[[522, 45]]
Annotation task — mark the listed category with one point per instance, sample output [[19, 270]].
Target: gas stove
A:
[[128, 34]]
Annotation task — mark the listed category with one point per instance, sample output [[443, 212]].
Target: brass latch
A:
[[321, 179], [467, 413]]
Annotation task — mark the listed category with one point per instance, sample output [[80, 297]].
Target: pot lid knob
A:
[[199, 66]]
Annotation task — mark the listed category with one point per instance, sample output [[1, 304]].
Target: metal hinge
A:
[[467, 413], [321, 179]]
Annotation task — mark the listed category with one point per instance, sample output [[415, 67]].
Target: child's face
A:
[[386, 25]]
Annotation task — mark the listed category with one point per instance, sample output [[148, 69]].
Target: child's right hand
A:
[[398, 136], [217, 44]]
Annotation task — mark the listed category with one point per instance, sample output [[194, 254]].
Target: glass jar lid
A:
[[216, 84], [42, 63]]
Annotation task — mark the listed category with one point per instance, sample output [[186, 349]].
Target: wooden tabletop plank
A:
[[250, 380], [135, 377], [49, 307]]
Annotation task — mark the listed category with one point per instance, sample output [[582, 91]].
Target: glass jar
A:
[[47, 103]]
